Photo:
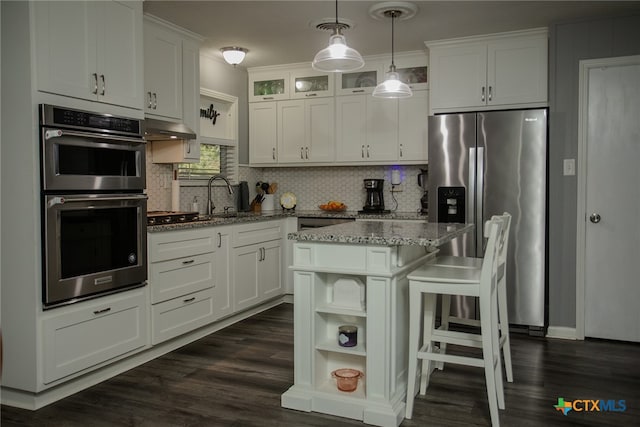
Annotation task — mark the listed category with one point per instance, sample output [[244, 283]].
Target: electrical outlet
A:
[[396, 188], [569, 167]]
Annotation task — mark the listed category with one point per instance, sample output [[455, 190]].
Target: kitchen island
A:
[[356, 274]]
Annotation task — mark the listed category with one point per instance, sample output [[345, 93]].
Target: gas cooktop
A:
[[170, 217]]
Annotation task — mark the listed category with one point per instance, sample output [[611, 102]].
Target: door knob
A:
[[594, 218]]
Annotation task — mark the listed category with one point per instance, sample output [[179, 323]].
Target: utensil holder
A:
[[268, 203]]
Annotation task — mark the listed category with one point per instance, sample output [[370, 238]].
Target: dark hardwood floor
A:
[[235, 378]]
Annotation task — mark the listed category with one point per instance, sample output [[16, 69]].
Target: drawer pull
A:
[[191, 261], [104, 310], [189, 299]]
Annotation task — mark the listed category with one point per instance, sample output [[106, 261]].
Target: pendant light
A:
[[392, 87], [337, 57]]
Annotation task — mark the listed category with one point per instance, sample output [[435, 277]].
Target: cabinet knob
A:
[[482, 97], [95, 83], [103, 84]]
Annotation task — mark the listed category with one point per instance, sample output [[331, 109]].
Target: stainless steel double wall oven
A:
[[93, 206]]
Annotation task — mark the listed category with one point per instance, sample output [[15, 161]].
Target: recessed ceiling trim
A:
[[407, 10]]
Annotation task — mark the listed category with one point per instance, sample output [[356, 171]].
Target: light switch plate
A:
[[569, 167]]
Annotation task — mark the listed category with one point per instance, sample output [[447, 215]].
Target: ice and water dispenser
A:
[[451, 204]]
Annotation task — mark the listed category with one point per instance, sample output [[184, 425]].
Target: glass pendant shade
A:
[[233, 55], [392, 87], [337, 57]]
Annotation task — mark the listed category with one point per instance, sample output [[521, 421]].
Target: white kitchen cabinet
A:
[[375, 292], [359, 82], [222, 285], [263, 135], [413, 129], [268, 86], [305, 130], [90, 50], [185, 151], [191, 98], [178, 316], [257, 263], [382, 129], [508, 69], [91, 333], [308, 83], [367, 129], [162, 70], [182, 266]]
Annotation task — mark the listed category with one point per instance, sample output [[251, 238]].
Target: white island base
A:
[[370, 286]]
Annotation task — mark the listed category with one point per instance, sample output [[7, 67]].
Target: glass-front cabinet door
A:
[[412, 69], [308, 83], [268, 86], [415, 77], [358, 82]]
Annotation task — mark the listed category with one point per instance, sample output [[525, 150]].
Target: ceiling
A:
[[281, 32]]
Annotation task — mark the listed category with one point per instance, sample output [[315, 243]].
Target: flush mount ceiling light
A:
[[392, 86], [234, 55], [337, 57]]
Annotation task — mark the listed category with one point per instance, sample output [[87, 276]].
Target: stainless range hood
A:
[[159, 130]]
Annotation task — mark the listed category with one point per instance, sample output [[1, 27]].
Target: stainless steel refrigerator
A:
[[483, 164]]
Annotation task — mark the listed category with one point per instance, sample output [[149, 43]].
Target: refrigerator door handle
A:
[[480, 202], [471, 197]]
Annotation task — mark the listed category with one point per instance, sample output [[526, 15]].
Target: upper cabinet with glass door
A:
[[308, 83], [412, 69], [269, 86], [360, 81]]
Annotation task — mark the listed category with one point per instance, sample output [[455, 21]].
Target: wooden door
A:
[[611, 208]]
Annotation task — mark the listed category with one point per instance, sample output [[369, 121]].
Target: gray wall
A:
[[215, 74], [570, 43]]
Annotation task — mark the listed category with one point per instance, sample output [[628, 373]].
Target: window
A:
[[214, 160]]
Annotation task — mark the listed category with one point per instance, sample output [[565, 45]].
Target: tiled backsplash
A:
[[312, 186]]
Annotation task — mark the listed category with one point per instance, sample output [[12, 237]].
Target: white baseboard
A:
[[561, 332]]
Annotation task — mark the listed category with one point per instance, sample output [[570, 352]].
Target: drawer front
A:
[[178, 277], [181, 315], [84, 337], [249, 234], [177, 244]]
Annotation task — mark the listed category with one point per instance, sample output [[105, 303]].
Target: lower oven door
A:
[[93, 244]]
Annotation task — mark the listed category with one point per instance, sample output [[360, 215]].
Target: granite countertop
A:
[[385, 233], [243, 217]]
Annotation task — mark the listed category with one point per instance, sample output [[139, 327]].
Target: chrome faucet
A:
[[210, 206]]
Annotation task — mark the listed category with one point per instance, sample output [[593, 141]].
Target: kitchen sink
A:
[[215, 216]]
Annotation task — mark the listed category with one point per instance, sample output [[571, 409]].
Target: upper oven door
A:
[[93, 244], [75, 161]]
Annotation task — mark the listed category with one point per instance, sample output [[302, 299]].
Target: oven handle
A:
[[56, 133], [61, 200]]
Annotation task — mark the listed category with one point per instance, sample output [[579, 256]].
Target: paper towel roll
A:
[[175, 195]]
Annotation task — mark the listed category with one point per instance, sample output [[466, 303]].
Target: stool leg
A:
[[503, 315], [429, 324], [488, 356], [415, 300], [445, 312], [495, 341]]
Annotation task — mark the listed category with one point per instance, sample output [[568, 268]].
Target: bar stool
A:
[[428, 281], [503, 312]]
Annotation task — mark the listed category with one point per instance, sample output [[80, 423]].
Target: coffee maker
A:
[[422, 182], [375, 200]]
